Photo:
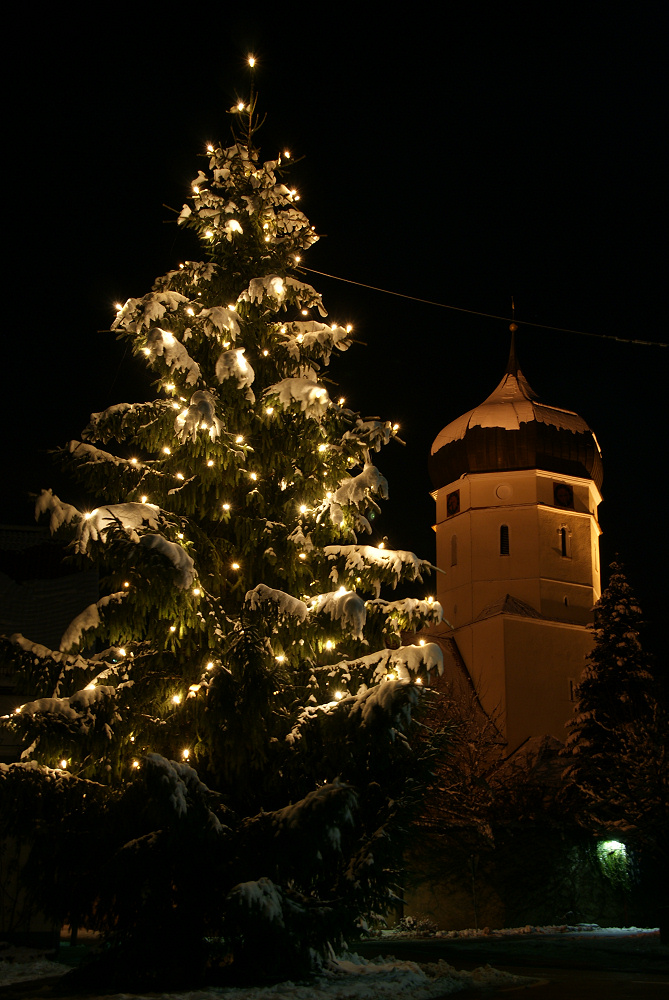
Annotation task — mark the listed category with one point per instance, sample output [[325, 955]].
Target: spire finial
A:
[[512, 364]]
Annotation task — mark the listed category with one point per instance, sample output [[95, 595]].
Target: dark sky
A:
[[466, 160]]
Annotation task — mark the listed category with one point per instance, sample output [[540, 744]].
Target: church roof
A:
[[511, 429], [508, 606]]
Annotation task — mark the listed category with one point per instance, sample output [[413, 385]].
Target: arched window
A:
[[565, 543], [454, 550], [504, 540]]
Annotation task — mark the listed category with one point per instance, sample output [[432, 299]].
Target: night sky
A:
[[467, 160]]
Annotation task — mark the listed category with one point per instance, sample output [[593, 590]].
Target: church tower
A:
[[517, 486]]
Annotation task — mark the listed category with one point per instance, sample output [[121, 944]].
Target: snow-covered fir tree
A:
[[223, 738], [618, 740]]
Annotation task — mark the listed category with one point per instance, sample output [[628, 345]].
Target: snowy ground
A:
[[351, 977]]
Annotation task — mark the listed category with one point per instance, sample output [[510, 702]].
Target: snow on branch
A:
[[318, 338], [405, 662], [220, 318], [304, 389], [132, 517], [88, 619], [61, 513], [344, 606], [375, 565], [356, 491], [163, 344], [174, 553], [277, 292], [286, 603], [410, 612], [233, 364], [138, 314], [200, 413]]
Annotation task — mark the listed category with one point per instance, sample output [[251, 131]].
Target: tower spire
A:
[[512, 364]]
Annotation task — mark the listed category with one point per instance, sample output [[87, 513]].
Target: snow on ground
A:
[[591, 930], [349, 978]]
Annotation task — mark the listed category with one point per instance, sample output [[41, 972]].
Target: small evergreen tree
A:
[[618, 740], [222, 737]]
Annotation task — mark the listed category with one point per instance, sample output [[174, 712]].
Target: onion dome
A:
[[510, 430]]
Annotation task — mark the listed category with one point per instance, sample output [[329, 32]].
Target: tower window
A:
[[454, 550], [504, 540], [565, 543]]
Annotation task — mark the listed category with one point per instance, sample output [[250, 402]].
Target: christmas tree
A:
[[224, 736], [618, 742]]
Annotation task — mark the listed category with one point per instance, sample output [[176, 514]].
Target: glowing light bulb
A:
[[91, 686], [339, 695], [421, 642], [144, 499], [419, 680], [176, 406], [286, 153], [269, 410], [173, 628], [254, 476], [265, 353], [210, 148], [349, 327], [118, 306], [234, 565], [170, 386], [396, 427], [176, 699], [329, 644], [430, 599], [210, 462], [63, 764], [302, 555], [133, 461], [196, 591], [341, 401], [240, 106], [121, 651], [179, 475], [297, 258], [381, 545], [185, 754], [305, 312], [196, 189], [145, 350], [226, 506], [252, 61], [168, 451], [239, 439], [126, 584], [322, 447], [303, 508], [280, 658], [135, 763], [180, 534], [210, 665], [190, 311], [208, 233]]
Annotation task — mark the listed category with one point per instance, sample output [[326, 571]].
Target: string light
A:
[[269, 410], [226, 506], [280, 658], [196, 189], [63, 764], [322, 447], [170, 386], [303, 508], [234, 565], [302, 555], [180, 534], [118, 306], [210, 665], [210, 462], [381, 545], [286, 153], [190, 311], [421, 642], [329, 644], [210, 148], [121, 651], [265, 353], [208, 233], [239, 439], [396, 427], [176, 699], [144, 499], [175, 406], [196, 591], [168, 451], [179, 475], [254, 476], [419, 680], [135, 763], [339, 695], [185, 754], [341, 401], [133, 461], [173, 628]]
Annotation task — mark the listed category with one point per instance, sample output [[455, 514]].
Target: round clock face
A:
[[563, 495], [453, 503], [504, 491]]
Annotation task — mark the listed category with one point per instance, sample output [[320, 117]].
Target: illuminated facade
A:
[[517, 487]]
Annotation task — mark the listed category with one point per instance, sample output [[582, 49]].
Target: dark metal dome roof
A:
[[512, 430]]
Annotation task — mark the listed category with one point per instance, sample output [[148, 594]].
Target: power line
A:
[[474, 312]]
